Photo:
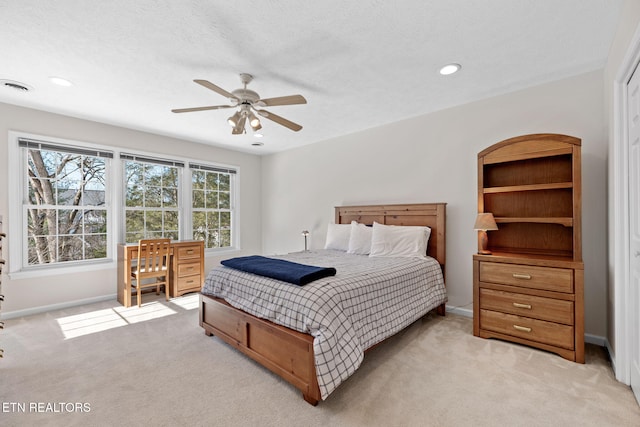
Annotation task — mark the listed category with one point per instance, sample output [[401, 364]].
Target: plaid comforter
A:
[[367, 301]]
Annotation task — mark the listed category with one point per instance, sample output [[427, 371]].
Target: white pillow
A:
[[338, 237], [360, 240], [399, 241]]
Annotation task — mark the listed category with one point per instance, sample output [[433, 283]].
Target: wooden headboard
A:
[[433, 215]]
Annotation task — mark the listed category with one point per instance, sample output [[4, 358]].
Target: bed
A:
[[314, 357]]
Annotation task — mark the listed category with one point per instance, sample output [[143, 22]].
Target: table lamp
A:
[[484, 223]]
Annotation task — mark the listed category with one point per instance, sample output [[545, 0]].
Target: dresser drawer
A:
[[527, 276], [188, 269], [189, 252], [552, 310], [530, 329], [189, 282]]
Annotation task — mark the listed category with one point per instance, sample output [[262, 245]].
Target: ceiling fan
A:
[[247, 101]]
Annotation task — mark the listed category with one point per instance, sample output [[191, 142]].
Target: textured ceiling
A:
[[359, 64]]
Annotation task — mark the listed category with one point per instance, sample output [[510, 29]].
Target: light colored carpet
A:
[[155, 366]]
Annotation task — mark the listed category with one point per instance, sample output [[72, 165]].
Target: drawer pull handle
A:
[[521, 328], [522, 276], [189, 281], [518, 305], [190, 252]]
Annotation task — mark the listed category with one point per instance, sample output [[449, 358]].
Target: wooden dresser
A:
[[531, 289], [187, 267]]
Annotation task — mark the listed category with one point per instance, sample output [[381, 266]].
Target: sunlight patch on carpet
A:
[[148, 311], [187, 302], [110, 318]]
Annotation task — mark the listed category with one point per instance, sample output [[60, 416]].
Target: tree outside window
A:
[[65, 200], [66, 210], [151, 201], [211, 208]]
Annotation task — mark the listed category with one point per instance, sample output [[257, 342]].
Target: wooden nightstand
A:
[[537, 302]]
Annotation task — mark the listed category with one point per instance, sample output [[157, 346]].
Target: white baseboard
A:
[[596, 339], [466, 312], [612, 359], [42, 309]]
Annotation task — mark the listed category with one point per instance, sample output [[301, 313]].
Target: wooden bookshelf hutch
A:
[[531, 289]]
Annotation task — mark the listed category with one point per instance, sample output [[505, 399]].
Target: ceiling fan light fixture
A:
[[254, 121], [233, 120], [239, 128]]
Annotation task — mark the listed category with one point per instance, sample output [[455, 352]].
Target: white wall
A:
[[432, 158], [29, 294]]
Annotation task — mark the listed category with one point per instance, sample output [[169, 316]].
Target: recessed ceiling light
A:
[[450, 69], [60, 81], [258, 135]]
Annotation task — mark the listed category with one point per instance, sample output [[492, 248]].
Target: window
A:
[[152, 198], [74, 203], [159, 203], [64, 203], [211, 197]]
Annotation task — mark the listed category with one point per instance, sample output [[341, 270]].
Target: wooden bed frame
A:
[[289, 353]]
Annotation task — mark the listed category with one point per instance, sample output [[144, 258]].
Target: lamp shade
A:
[[233, 120], [239, 128], [485, 221], [254, 121]]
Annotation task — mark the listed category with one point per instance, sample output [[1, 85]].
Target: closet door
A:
[[633, 111]]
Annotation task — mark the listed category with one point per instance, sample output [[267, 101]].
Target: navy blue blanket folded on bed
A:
[[279, 269]]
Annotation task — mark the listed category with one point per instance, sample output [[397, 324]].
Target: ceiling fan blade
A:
[[282, 100], [217, 89], [211, 107], [280, 120]]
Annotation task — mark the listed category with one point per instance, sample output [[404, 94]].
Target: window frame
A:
[[155, 161], [233, 178], [18, 255], [114, 202], [185, 192]]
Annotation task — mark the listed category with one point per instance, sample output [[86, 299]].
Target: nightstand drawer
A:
[[188, 269], [530, 329], [552, 310], [189, 252], [527, 276]]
